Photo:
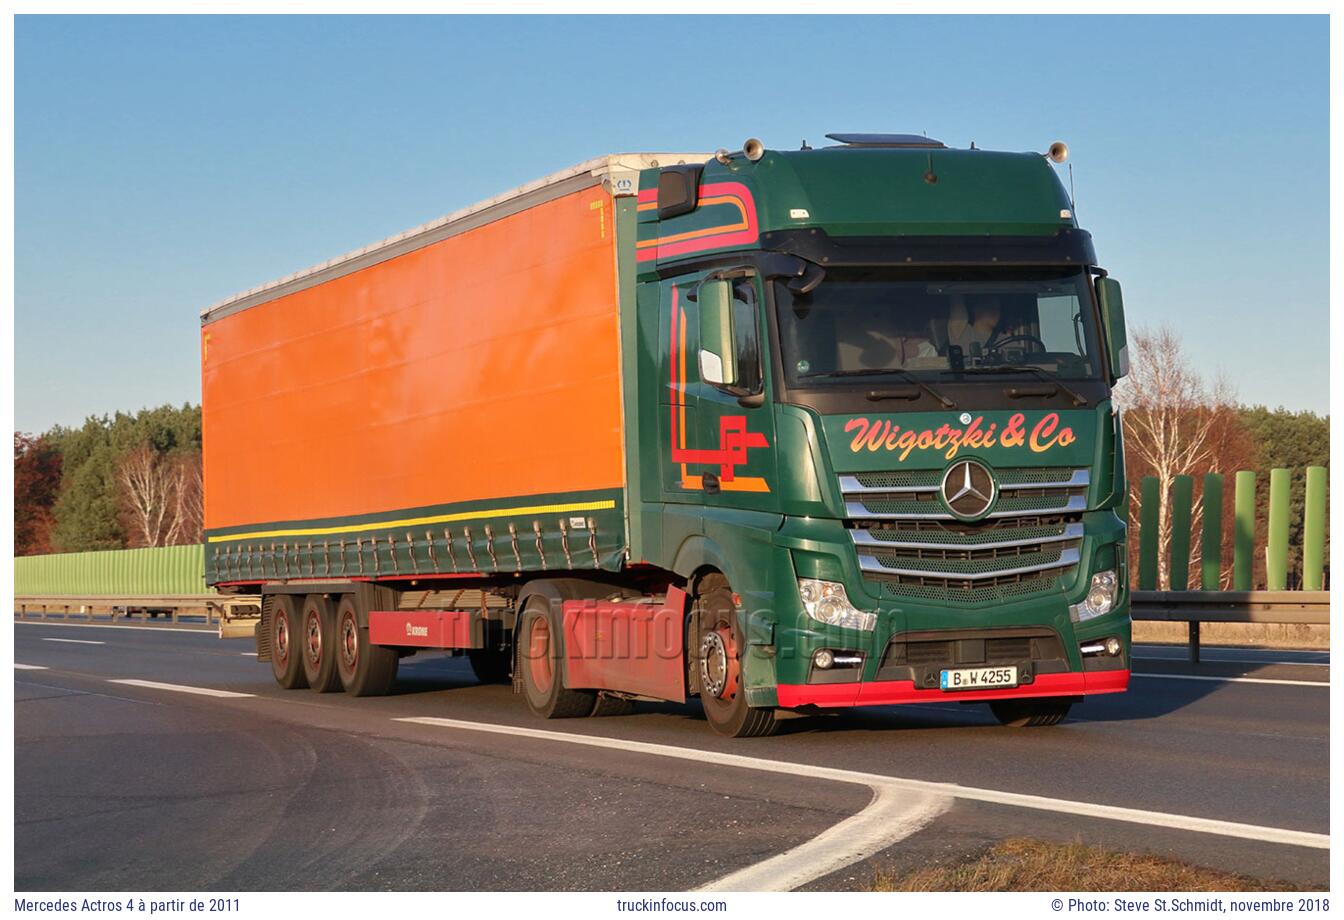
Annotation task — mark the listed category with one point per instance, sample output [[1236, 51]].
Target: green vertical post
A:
[[1276, 559], [1313, 531], [1150, 499], [1211, 546], [1182, 496], [1243, 543]]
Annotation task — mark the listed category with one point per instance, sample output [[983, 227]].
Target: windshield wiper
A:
[[887, 372], [1078, 398]]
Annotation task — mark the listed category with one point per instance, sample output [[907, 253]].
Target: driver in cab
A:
[[976, 332]]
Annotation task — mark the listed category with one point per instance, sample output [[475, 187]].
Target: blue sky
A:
[[163, 163]]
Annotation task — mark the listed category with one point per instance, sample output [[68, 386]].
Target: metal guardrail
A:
[[1301, 608], [236, 614]]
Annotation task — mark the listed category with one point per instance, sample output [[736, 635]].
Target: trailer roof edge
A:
[[583, 175]]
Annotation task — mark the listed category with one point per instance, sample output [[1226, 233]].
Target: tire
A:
[[317, 643], [286, 662], [608, 705], [1030, 713], [540, 653], [365, 669], [719, 659], [490, 665]]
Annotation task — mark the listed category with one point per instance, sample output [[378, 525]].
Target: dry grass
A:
[[1268, 635], [1023, 864]]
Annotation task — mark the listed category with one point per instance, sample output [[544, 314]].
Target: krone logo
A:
[[968, 489]]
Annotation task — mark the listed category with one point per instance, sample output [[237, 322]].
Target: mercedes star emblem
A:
[[968, 489]]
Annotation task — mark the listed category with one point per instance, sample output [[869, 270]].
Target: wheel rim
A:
[[539, 654], [281, 644], [719, 666], [313, 637], [349, 642]]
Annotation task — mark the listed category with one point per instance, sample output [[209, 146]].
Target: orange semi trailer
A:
[[398, 441]]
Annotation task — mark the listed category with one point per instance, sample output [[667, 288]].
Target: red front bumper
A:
[[888, 692]]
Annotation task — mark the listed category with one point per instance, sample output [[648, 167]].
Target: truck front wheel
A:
[[286, 657], [318, 642], [365, 669], [719, 659], [540, 652], [1030, 713]]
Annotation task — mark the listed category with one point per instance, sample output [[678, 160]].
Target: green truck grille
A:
[[910, 546]]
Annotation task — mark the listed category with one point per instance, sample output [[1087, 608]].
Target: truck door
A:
[[717, 440], [678, 344]]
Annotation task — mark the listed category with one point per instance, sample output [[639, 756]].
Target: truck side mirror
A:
[[718, 354], [1113, 318]]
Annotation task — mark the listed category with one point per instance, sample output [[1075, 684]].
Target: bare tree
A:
[[148, 487], [1174, 423], [189, 497]]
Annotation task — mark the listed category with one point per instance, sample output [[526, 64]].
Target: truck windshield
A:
[[872, 322]]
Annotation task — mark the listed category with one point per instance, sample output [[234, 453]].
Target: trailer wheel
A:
[[318, 644], [1030, 713], [539, 650], [365, 669], [286, 660], [491, 666], [719, 658]]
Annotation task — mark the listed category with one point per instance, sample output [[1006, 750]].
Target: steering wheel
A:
[[999, 343]]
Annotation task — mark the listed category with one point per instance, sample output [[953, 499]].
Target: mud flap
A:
[[264, 628]]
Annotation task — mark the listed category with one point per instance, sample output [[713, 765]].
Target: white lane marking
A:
[[29, 667], [893, 815], [74, 641], [181, 688], [204, 630], [895, 812], [1235, 680], [968, 793]]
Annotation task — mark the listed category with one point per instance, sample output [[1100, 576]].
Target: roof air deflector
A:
[[885, 140]]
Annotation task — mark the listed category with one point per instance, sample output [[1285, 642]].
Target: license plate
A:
[[978, 678]]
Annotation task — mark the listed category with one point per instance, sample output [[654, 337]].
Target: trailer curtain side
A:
[[477, 374]]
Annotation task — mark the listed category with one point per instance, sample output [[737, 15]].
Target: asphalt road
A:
[[127, 787]]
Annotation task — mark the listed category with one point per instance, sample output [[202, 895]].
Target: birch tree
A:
[[1175, 422], [149, 490]]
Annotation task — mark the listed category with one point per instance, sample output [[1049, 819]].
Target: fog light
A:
[[823, 658], [1109, 646], [1100, 597], [826, 602]]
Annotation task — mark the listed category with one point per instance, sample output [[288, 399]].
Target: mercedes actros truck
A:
[[778, 430]]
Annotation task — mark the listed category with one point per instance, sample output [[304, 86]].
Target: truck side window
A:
[[748, 341]]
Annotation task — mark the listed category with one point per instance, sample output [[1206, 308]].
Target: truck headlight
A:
[[1100, 597], [826, 602]]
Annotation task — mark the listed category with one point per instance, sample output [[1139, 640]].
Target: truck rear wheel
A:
[[1030, 713], [318, 644], [540, 652], [365, 669], [286, 659], [719, 658]]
